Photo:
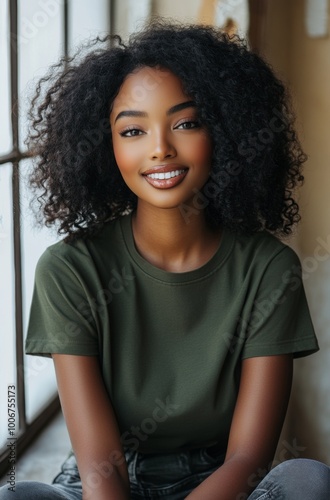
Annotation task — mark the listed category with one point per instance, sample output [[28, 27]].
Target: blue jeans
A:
[[180, 473]]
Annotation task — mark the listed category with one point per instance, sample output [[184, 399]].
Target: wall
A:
[[304, 63], [183, 10]]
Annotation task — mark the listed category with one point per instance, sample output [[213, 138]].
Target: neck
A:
[[171, 240]]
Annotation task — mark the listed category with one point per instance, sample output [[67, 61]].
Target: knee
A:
[[20, 491], [303, 467], [27, 490], [303, 478]]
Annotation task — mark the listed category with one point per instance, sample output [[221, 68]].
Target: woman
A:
[[171, 312]]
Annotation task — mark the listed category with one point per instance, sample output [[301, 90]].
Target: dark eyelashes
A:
[[124, 133], [183, 125], [195, 123]]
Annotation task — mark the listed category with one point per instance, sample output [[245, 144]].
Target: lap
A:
[[173, 476], [164, 476]]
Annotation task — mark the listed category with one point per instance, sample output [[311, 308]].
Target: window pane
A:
[[41, 21], [5, 136], [87, 20], [131, 16], [138, 14], [40, 382], [7, 298], [40, 44]]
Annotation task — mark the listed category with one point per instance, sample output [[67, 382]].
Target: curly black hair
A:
[[257, 157]]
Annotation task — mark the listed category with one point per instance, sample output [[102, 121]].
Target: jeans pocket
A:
[[174, 491], [69, 473], [212, 456]]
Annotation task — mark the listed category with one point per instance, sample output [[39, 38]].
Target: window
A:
[[33, 35]]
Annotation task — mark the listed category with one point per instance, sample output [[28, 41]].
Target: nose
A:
[[162, 147]]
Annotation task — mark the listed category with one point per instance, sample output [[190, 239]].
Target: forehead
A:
[[148, 85]]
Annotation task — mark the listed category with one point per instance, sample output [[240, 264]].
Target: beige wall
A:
[[181, 10], [305, 63]]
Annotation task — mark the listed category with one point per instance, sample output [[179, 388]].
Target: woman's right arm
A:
[[92, 427]]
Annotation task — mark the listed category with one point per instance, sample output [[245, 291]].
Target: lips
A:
[[165, 176]]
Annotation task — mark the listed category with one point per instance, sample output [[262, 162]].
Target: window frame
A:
[[25, 432]]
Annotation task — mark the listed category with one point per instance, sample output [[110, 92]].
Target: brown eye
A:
[[131, 132], [188, 125]]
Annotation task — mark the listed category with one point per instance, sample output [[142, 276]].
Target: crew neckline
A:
[[212, 265]]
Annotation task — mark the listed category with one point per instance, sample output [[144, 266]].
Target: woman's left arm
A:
[[256, 426]]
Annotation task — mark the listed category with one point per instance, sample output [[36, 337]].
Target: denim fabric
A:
[[180, 473], [66, 486], [298, 479]]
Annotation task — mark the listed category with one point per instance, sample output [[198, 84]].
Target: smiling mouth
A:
[[165, 175], [166, 180]]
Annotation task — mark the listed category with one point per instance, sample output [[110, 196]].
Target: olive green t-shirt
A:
[[170, 344]]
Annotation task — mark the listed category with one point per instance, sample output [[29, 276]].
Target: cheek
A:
[[124, 157], [202, 150]]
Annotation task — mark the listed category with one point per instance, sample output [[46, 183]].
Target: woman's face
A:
[[161, 149]]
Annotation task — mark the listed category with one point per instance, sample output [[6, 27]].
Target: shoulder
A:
[[68, 252], [61, 257], [80, 252], [262, 258], [263, 249]]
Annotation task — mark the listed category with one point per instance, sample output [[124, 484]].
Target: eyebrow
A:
[[143, 114]]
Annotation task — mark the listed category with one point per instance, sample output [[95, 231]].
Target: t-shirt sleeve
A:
[[61, 318], [280, 321]]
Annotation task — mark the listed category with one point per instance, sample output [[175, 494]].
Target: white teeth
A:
[[165, 175]]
